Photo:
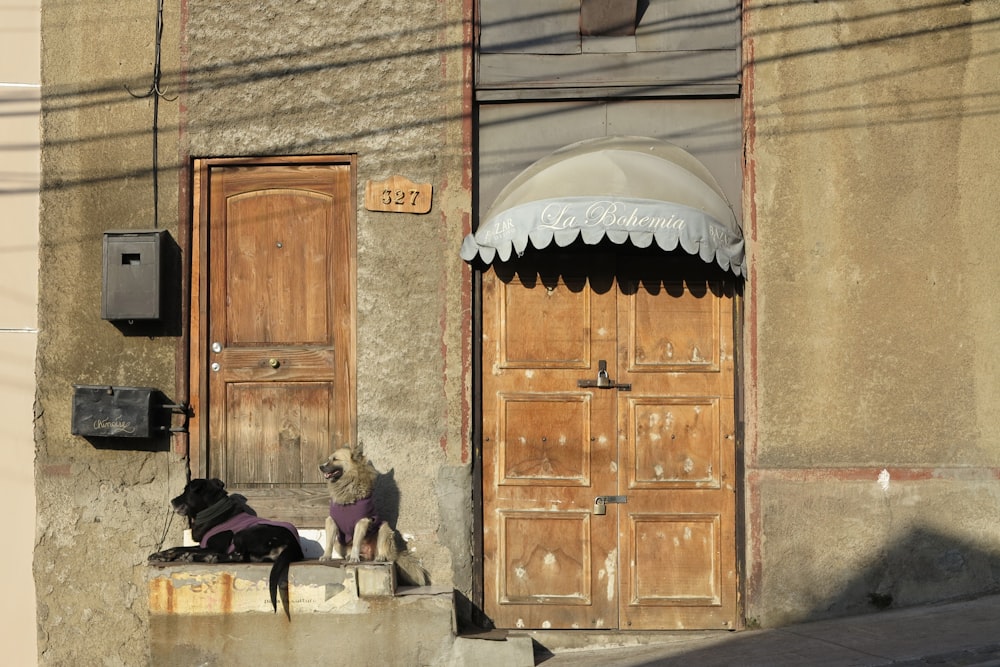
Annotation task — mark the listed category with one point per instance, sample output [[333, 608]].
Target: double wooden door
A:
[[608, 444]]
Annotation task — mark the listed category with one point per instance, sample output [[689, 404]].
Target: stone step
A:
[[243, 587], [221, 615], [509, 652]]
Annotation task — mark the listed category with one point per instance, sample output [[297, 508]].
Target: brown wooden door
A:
[[666, 557], [278, 321]]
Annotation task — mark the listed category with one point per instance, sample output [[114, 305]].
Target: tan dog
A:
[[354, 522]]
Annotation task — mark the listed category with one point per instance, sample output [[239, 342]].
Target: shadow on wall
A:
[[156, 444], [924, 567], [387, 497]]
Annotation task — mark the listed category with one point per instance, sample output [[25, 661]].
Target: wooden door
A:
[[277, 323], [665, 558]]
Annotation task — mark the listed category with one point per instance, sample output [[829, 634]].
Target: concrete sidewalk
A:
[[958, 633]]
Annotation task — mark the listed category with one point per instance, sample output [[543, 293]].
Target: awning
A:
[[620, 188]]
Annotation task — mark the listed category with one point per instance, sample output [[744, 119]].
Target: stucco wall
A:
[[870, 184], [101, 510], [383, 82], [871, 332], [324, 77]]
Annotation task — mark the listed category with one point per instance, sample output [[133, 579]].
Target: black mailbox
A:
[[117, 412], [133, 262]]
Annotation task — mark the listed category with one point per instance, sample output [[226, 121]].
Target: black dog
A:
[[228, 531]]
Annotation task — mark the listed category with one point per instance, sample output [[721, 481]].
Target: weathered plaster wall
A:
[[384, 82], [101, 511], [871, 333], [263, 78], [871, 182], [221, 615]]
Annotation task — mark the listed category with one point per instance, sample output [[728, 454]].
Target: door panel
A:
[[277, 245], [678, 451], [673, 442], [670, 327], [548, 445], [537, 432], [559, 324], [675, 559], [546, 557], [666, 557], [277, 327], [281, 428]]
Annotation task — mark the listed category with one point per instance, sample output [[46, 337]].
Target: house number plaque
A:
[[398, 194]]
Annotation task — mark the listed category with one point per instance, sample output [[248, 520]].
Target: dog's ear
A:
[[217, 483], [358, 449]]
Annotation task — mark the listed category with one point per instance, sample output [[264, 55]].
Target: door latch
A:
[[603, 380], [601, 503]]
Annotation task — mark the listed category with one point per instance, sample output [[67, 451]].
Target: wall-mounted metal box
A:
[[133, 270], [117, 412]]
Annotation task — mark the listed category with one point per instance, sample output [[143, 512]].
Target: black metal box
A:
[[116, 412], [133, 263]]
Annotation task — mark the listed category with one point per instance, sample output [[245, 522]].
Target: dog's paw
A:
[[354, 558], [325, 558], [192, 557], [381, 558]]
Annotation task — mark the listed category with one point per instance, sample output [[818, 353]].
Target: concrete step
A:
[[508, 652], [222, 615]]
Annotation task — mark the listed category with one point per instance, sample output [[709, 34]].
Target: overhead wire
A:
[[156, 93]]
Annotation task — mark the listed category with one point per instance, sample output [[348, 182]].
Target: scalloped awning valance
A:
[[621, 188]]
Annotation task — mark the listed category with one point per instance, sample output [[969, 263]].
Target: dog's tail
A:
[[411, 572], [278, 581]]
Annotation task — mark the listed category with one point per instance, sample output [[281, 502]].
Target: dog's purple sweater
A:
[[242, 522], [347, 516]]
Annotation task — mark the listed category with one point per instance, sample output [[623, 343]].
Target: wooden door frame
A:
[[478, 589], [198, 285]]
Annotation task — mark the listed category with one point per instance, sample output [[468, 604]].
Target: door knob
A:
[[273, 363]]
